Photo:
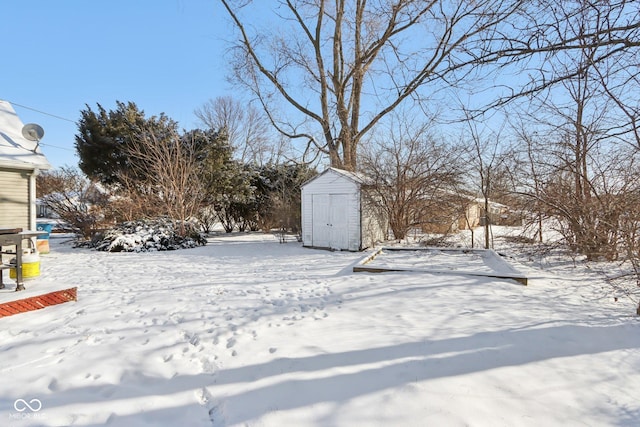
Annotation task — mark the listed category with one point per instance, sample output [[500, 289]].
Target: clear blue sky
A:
[[164, 55]]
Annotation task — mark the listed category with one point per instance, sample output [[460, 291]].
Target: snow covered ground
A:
[[247, 331], [434, 258]]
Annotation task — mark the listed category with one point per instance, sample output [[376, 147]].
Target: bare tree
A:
[[530, 171], [170, 168], [552, 32], [579, 131], [587, 199], [488, 158], [582, 103], [344, 66], [246, 127], [133, 199], [77, 200], [411, 175], [628, 283]]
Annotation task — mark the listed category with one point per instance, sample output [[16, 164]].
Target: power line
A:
[[56, 146], [42, 112]]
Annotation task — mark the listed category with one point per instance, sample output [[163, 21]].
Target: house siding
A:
[[15, 209]]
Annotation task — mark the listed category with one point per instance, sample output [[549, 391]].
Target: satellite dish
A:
[[32, 132]]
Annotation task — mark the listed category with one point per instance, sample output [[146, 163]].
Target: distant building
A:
[[455, 212]]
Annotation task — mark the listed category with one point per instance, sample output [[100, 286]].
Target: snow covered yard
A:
[[246, 331]]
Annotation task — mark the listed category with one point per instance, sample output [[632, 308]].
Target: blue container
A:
[[43, 226], [42, 242]]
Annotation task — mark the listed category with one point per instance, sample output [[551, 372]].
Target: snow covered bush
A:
[[145, 236]]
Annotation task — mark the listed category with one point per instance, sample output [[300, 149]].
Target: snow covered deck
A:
[[473, 262]]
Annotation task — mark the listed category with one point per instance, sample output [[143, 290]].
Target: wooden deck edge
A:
[[38, 302], [517, 276], [369, 258], [364, 269]]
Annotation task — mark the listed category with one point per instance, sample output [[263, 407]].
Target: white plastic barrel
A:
[[30, 265]]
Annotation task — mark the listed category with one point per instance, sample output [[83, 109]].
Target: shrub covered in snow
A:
[[144, 236]]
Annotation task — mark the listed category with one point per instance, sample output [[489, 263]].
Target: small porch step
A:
[[38, 302]]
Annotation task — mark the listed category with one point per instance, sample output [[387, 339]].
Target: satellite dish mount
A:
[[33, 132]]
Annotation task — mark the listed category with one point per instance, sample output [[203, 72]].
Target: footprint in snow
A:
[[195, 340], [203, 396], [176, 318], [53, 385], [108, 391], [93, 340], [207, 365]]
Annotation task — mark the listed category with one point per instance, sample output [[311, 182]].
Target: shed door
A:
[[330, 221], [339, 213]]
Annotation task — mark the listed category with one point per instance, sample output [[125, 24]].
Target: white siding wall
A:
[[15, 209], [355, 226], [331, 183], [307, 217], [374, 222]]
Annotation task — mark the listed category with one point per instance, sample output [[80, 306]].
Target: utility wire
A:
[[46, 114], [42, 112], [44, 144]]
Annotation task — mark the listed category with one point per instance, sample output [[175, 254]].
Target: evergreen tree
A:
[[103, 137], [277, 195]]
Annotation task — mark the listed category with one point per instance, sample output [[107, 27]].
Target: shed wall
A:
[[374, 221], [355, 226], [307, 217]]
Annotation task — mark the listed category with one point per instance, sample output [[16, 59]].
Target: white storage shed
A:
[[337, 212]]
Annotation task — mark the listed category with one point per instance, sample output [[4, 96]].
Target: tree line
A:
[[136, 167]]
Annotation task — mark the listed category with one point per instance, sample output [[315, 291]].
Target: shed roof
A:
[[357, 177], [16, 151]]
